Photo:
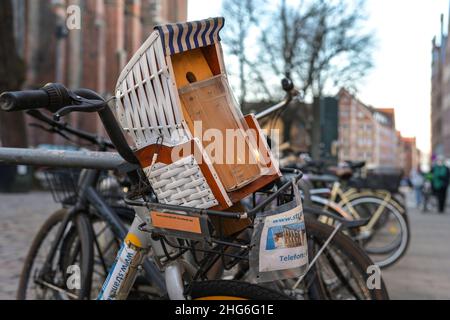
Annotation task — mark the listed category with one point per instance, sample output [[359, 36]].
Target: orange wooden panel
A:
[[209, 104], [193, 63], [212, 57], [264, 152]]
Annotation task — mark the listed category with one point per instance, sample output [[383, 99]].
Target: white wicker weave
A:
[[181, 183]]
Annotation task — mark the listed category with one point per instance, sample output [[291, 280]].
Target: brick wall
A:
[[369, 134], [356, 130], [111, 31]]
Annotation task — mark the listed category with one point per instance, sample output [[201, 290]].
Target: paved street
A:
[[424, 273], [20, 218]]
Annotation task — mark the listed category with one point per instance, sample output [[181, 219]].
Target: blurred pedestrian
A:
[[417, 181], [440, 181]]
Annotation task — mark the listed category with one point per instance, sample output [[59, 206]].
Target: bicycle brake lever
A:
[[90, 107]]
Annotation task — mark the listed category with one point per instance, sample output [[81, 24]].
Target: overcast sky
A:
[[401, 77]]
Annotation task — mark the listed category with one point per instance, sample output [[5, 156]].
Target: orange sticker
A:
[[176, 222]]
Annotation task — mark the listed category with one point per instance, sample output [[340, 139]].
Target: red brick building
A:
[[369, 134], [93, 56], [356, 129], [411, 154], [440, 94]]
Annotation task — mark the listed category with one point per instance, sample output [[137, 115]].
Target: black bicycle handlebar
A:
[[57, 98], [51, 97], [65, 128]]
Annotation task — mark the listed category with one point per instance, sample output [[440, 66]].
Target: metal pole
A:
[[61, 159]]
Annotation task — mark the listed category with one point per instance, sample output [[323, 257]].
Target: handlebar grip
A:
[[24, 100], [52, 97]]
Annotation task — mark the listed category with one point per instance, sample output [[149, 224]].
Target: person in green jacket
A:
[[440, 182]]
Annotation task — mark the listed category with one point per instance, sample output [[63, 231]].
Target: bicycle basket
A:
[[388, 179], [208, 236], [62, 183], [174, 83]]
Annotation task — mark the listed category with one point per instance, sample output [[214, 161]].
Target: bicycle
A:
[[173, 271], [184, 236], [386, 236], [430, 202]]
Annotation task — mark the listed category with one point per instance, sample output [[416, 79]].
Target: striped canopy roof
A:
[[181, 37]]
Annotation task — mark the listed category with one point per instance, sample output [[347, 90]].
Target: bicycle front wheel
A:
[[341, 270], [54, 284], [386, 237]]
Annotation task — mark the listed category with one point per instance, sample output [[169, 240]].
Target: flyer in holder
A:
[[283, 242], [280, 243]]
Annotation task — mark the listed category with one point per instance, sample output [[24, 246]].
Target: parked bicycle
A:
[[386, 235], [320, 235]]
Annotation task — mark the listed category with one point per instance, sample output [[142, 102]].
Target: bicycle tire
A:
[[232, 290], [81, 223], [353, 253], [399, 251]]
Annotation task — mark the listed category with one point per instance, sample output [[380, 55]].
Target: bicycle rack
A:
[[61, 159]]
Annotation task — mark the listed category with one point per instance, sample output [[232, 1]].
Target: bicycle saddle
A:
[[341, 172], [355, 165]]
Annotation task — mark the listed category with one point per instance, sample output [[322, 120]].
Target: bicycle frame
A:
[[340, 202]]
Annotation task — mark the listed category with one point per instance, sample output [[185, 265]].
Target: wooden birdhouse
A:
[[175, 103]]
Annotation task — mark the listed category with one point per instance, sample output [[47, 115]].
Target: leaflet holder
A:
[[193, 142]]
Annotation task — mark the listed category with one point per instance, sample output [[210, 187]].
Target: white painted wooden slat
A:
[[128, 112], [135, 107], [148, 104], [169, 92], [167, 109], [143, 105], [156, 111]]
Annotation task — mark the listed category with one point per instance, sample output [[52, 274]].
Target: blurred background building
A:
[[349, 130], [440, 94], [93, 56], [369, 134]]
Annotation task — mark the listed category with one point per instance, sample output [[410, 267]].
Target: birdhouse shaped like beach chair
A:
[[175, 103]]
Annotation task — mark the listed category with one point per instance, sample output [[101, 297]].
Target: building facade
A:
[[412, 155], [91, 56], [357, 132], [440, 94], [385, 148], [370, 135]]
